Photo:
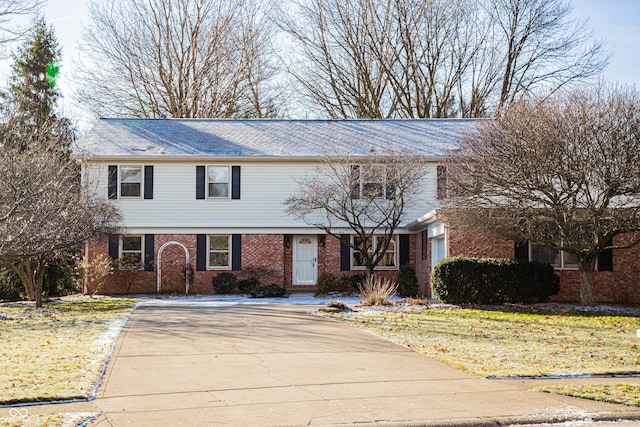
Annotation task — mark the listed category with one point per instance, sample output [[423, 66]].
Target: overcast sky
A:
[[616, 21]]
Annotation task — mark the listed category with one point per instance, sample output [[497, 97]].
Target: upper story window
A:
[[389, 259], [369, 181], [557, 258], [130, 181], [218, 181]]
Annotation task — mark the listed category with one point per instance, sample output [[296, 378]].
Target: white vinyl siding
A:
[[265, 187]]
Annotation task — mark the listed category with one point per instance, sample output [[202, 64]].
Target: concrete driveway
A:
[[180, 363]]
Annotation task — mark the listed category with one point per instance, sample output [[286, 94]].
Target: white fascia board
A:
[[423, 222], [204, 159]]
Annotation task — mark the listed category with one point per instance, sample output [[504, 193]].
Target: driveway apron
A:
[[206, 364]]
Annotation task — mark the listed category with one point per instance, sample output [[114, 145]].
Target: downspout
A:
[[85, 272]]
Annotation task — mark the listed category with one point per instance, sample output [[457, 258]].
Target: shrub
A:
[[327, 284], [224, 283], [377, 290], [351, 283], [98, 270], [407, 282], [271, 291], [463, 280], [11, 288], [248, 284], [251, 277]]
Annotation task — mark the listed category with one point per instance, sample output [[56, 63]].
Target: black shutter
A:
[[201, 252], [114, 246], [355, 182], [404, 249], [522, 251], [236, 252], [148, 251], [345, 253], [113, 182], [148, 182], [235, 182], [441, 182], [605, 259], [200, 182]]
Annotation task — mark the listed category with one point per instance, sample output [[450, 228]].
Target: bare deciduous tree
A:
[[542, 47], [562, 172], [436, 58], [9, 11], [178, 58], [43, 212], [367, 195]]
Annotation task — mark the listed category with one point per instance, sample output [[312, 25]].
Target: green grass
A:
[[55, 353], [490, 343], [22, 418], [625, 394]]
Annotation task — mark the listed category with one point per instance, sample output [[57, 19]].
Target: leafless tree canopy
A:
[[366, 195], [11, 9], [43, 211], [436, 58], [563, 172], [177, 58]]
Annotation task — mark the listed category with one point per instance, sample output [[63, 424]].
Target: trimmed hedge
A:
[[462, 280]]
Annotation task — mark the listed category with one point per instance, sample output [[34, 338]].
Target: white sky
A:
[[615, 21]]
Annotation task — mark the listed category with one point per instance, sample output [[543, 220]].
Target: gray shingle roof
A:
[[183, 138]]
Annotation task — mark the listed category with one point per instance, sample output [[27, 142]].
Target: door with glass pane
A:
[[305, 260]]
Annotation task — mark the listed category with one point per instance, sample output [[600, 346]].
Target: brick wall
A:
[[269, 251], [617, 286]]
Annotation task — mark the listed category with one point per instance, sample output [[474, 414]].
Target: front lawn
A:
[[516, 343], [499, 343], [57, 352]]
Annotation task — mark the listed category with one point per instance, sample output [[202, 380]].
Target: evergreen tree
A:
[[35, 155], [33, 94]]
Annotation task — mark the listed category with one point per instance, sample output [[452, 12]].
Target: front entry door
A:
[[305, 260]]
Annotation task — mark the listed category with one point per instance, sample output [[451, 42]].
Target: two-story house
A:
[[209, 194]]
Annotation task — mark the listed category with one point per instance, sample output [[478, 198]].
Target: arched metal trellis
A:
[[186, 254]]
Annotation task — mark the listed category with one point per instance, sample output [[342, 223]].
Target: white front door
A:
[[305, 257]]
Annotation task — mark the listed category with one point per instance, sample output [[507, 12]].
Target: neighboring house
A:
[[210, 193]]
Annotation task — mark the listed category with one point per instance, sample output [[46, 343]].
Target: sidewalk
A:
[[182, 363]]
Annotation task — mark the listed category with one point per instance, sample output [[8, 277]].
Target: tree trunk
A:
[[31, 274], [586, 268]]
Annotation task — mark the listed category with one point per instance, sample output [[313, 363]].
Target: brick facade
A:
[[273, 252], [617, 286]]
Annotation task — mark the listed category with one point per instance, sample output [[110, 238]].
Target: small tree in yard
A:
[[368, 195], [563, 172], [43, 212]]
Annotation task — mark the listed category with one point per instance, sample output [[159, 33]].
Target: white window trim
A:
[[207, 182], [120, 168], [121, 251], [216, 267], [562, 255], [381, 268]]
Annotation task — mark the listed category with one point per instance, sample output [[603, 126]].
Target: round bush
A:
[[463, 280]]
